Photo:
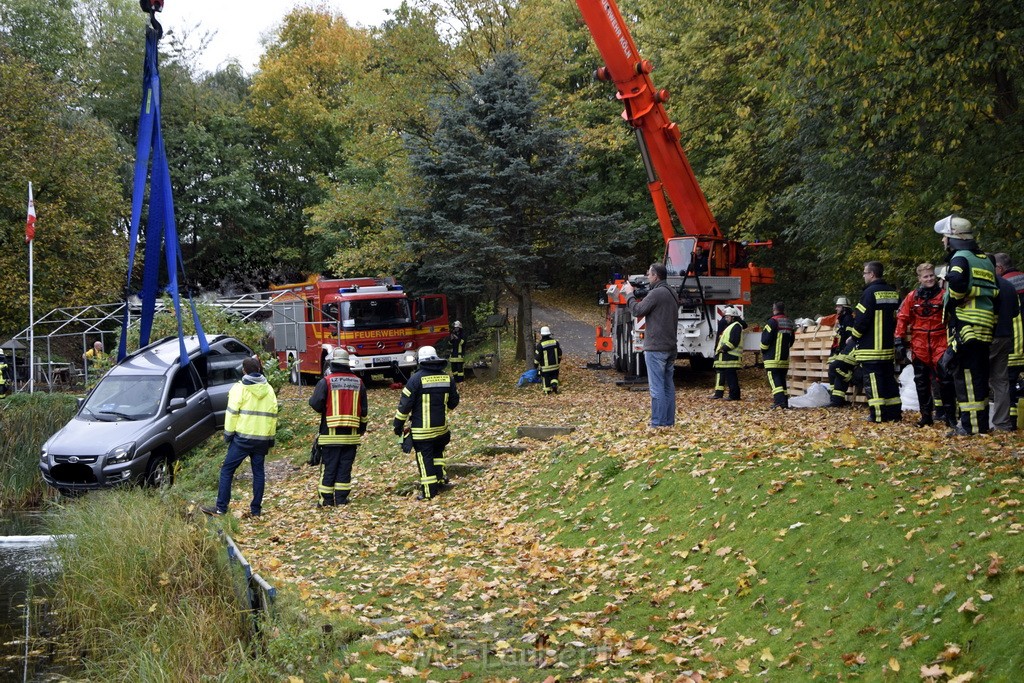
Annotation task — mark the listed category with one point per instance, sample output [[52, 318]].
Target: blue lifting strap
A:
[[160, 224]]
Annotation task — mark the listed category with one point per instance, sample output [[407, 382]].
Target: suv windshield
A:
[[364, 314], [124, 397]]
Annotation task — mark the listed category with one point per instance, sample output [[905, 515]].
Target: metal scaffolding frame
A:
[[61, 365]]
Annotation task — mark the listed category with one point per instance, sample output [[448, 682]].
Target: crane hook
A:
[[151, 7]]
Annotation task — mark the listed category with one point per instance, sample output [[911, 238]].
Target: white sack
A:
[[908, 392], [817, 396]]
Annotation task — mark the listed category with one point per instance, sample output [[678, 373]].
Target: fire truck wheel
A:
[[621, 344]]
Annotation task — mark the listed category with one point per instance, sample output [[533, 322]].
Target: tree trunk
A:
[[524, 347]]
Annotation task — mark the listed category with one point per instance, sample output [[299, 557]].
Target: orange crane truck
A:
[[708, 279]]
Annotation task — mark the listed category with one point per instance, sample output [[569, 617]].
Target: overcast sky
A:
[[240, 25]]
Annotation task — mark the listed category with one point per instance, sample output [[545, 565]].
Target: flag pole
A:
[[30, 233]]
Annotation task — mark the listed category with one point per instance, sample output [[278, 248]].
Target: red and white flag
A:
[[30, 222]]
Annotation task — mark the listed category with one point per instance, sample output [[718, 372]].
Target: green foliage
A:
[[26, 422], [500, 179], [47, 141]]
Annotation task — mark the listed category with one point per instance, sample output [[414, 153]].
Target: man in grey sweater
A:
[[660, 308]]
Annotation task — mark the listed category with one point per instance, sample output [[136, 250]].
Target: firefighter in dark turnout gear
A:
[[547, 358], [340, 398], [1005, 340], [458, 357], [874, 335], [969, 306], [1015, 363], [426, 400], [729, 355], [841, 365], [920, 318], [777, 337]]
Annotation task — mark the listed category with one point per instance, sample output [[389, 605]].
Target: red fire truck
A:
[[373, 319]]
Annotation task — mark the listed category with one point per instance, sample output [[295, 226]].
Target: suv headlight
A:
[[44, 452], [122, 453]]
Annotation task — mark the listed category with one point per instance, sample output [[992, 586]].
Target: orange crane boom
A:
[[668, 170]]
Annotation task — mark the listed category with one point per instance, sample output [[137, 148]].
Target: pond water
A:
[[26, 568]]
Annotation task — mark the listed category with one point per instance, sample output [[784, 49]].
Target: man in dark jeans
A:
[[249, 427], [661, 309]]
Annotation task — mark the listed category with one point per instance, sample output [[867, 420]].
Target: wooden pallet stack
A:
[[808, 360]]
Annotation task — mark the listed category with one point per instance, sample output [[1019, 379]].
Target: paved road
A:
[[575, 336]]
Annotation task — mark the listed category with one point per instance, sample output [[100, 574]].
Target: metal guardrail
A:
[[257, 594]]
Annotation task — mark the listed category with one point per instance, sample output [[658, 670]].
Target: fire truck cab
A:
[[374, 319]]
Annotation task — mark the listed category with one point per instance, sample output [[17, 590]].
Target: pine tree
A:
[[501, 181]]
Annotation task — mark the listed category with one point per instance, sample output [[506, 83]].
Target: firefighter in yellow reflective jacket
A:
[[3, 373], [729, 355], [426, 400], [249, 428], [776, 339], [547, 358], [969, 307], [340, 398]]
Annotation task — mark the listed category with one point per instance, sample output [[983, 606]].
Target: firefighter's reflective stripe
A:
[[730, 348], [427, 480], [458, 350], [548, 355], [343, 400], [342, 410], [875, 325], [776, 338], [429, 417], [257, 420], [1016, 358], [974, 316]]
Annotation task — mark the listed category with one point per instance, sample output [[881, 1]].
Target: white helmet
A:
[[545, 331], [842, 301], [457, 325], [339, 357], [955, 227], [733, 311], [427, 353]]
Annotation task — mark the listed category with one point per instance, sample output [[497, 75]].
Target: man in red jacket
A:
[[920, 317]]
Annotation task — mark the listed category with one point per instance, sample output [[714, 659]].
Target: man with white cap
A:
[[340, 398], [547, 358], [970, 313], [426, 399]]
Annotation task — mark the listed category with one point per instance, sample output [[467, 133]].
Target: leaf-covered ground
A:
[[742, 543]]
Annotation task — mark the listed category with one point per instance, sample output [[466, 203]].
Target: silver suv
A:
[[145, 412]]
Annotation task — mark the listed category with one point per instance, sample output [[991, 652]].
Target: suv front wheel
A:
[[159, 473]]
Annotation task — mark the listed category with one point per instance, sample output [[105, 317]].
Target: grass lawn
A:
[[742, 543]]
